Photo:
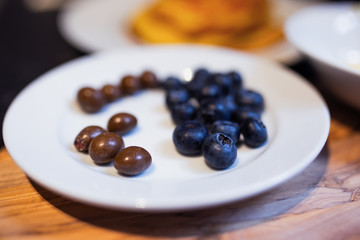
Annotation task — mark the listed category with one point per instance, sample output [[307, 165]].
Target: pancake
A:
[[243, 24]]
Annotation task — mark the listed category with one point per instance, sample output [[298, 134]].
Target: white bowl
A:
[[329, 35]]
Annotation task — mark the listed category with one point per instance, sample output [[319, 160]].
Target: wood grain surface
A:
[[320, 203]]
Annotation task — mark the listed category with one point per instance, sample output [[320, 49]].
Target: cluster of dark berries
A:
[[92, 100], [214, 114], [108, 145]]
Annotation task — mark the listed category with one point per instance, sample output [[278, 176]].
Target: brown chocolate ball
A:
[[85, 136], [129, 85], [148, 79], [132, 160], [122, 123], [110, 92], [90, 99], [104, 147]]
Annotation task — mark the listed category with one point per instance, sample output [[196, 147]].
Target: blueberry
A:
[[237, 81], [172, 83], [228, 128], [194, 88], [201, 74], [223, 81], [219, 151], [242, 113], [197, 82], [209, 91], [254, 132], [176, 96], [183, 112], [250, 98], [211, 110], [229, 103], [188, 137]]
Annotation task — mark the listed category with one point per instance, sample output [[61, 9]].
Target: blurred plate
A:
[[329, 35], [93, 25], [42, 122]]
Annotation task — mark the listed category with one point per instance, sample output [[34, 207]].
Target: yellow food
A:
[[243, 24]]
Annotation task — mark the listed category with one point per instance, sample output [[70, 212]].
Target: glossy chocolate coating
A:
[[132, 160], [110, 92], [148, 79], [104, 147], [85, 136], [122, 123], [90, 99], [129, 85]]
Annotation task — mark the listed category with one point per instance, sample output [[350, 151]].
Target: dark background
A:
[[30, 45]]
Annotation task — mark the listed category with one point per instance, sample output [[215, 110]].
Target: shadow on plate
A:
[[228, 217]]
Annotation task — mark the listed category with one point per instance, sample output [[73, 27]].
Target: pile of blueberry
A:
[[214, 114]]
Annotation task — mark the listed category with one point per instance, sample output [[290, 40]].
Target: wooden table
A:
[[320, 203]]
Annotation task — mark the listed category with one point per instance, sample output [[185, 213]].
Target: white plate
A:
[[93, 25], [42, 122]]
